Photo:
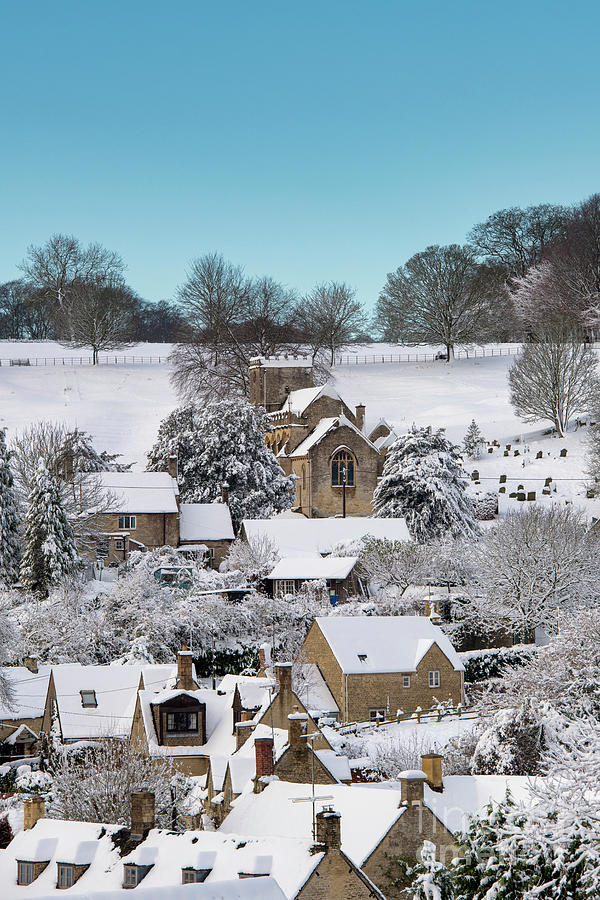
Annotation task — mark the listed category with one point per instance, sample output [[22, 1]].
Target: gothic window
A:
[[342, 469]]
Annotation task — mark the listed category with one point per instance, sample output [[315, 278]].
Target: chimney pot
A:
[[264, 655], [360, 416], [297, 726], [431, 763], [142, 814], [329, 829], [411, 784], [31, 663], [172, 465]]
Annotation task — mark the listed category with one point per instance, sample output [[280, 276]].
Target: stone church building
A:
[[318, 438]]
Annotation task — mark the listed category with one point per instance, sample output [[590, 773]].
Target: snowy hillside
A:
[[121, 406]]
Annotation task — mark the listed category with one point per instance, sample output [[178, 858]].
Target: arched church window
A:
[[342, 469]]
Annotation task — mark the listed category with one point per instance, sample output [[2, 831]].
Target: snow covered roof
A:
[[298, 401], [205, 522], [262, 887], [219, 738], [321, 429], [383, 643], [29, 689], [115, 689], [311, 568], [312, 690], [140, 492], [367, 814], [53, 840], [313, 537], [466, 795]]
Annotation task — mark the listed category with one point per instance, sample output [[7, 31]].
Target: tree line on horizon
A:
[[519, 272]]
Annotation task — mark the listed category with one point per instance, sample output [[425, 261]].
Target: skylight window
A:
[[362, 657], [88, 699]]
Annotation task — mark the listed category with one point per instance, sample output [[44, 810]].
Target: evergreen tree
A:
[[221, 446], [473, 441], [6, 833], [79, 454], [431, 879], [50, 550], [10, 549], [424, 482]]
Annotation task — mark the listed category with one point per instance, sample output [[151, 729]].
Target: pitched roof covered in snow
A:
[[140, 492], [311, 568], [311, 688], [298, 536], [261, 887], [298, 401], [115, 689], [288, 861], [467, 795], [205, 522], [368, 644], [29, 690], [325, 426]]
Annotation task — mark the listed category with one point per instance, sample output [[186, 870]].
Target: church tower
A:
[[272, 378]]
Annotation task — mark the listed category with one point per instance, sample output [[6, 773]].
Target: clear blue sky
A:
[[306, 140]]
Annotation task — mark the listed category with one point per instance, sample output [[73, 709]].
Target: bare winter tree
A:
[[329, 318], [442, 295], [98, 317], [95, 785], [81, 492], [554, 378], [393, 564], [533, 566], [54, 267], [517, 238]]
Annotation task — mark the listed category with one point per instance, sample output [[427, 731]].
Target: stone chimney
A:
[[432, 610], [329, 829], [34, 808], [142, 814], [185, 670], [411, 784], [431, 763], [31, 663], [243, 730], [264, 655], [360, 416], [283, 676], [224, 495], [263, 751], [297, 728], [172, 465]]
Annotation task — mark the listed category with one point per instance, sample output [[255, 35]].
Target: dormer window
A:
[[88, 699], [25, 872], [65, 876], [182, 722], [194, 876], [133, 874], [362, 657]]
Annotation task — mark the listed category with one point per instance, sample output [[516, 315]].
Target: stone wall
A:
[[334, 877], [326, 500], [316, 650], [270, 385], [151, 529]]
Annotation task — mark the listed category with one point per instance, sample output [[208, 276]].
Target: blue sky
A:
[[308, 141]]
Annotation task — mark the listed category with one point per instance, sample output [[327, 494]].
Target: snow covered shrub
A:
[[459, 751], [33, 782], [473, 441], [431, 879], [6, 833], [221, 446], [480, 665], [512, 744], [424, 482], [254, 558], [95, 785], [485, 506]]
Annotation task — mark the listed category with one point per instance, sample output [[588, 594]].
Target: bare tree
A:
[[98, 317], [393, 564], [517, 238], [330, 317], [554, 378], [442, 295], [95, 784], [54, 267], [531, 567]]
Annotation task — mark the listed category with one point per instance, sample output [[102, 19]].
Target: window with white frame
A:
[[434, 678], [406, 681], [25, 873], [65, 876], [377, 715], [287, 586], [127, 523]]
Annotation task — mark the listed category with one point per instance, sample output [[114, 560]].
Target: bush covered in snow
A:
[[480, 665], [512, 744]]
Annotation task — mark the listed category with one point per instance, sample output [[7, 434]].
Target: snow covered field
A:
[[122, 406]]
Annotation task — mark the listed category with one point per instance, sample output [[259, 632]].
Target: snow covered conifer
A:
[[424, 482], [50, 550], [473, 441], [221, 446], [10, 550]]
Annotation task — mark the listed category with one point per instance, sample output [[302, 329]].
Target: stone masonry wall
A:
[[335, 877]]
